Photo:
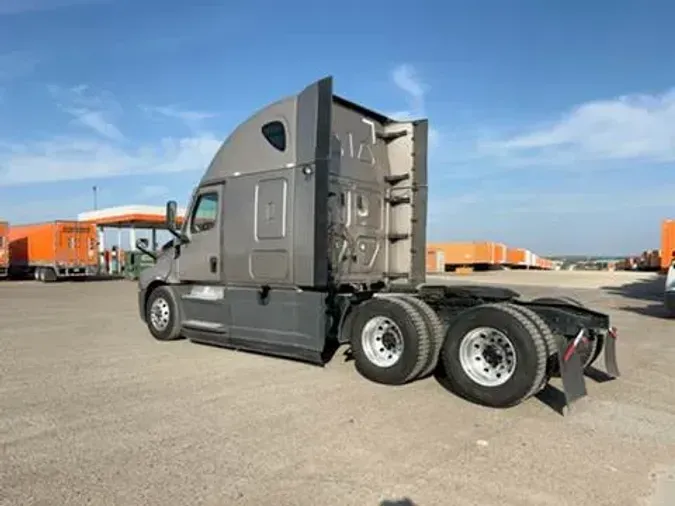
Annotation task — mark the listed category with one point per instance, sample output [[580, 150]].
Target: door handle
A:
[[213, 264]]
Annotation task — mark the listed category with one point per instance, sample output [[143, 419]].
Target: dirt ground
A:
[[94, 411]]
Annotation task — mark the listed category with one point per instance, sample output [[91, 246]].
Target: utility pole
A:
[[95, 190]]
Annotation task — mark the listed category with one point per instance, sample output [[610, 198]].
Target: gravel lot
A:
[[94, 411]]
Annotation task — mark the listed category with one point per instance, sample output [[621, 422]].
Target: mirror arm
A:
[[142, 249]]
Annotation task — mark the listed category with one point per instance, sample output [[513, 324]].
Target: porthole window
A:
[[275, 133]]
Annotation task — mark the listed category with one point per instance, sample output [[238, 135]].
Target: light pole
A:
[[95, 190]]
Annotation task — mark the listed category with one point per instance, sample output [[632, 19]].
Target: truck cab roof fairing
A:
[[262, 132]]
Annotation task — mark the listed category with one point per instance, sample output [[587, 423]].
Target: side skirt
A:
[[269, 349]]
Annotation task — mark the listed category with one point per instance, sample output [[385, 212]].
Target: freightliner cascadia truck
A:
[[307, 231]]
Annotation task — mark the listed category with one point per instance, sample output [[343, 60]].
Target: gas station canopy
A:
[[143, 217]]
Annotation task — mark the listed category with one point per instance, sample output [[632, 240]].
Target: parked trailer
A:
[[4, 249], [53, 250], [307, 231]]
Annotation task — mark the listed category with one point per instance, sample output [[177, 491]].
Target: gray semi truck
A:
[[307, 231]]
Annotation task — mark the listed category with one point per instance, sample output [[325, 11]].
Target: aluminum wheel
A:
[[160, 313], [487, 356], [382, 341]]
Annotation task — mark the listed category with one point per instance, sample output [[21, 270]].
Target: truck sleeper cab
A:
[[308, 231]]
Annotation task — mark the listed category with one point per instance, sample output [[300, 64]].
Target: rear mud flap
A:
[[611, 363], [571, 369]]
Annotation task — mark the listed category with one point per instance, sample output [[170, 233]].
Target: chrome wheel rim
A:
[[160, 314], [382, 341], [487, 356]]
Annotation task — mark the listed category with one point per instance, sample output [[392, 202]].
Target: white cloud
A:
[[636, 127], [101, 153], [552, 203], [407, 79], [94, 111], [68, 158], [192, 119]]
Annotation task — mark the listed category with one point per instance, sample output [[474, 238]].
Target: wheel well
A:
[[151, 287], [347, 312]]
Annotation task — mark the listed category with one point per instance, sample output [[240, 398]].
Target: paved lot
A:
[[93, 411]]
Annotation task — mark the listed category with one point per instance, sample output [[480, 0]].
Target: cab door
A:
[[199, 259], [205, 305]]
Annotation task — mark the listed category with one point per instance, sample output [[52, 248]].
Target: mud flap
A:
[[571, 370], [611, 364]]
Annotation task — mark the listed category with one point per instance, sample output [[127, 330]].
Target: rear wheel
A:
[[161, 314], [48, 275], [549, 338], [390, 341], [494, 355]]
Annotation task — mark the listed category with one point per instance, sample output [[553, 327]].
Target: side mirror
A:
[[171, 210]]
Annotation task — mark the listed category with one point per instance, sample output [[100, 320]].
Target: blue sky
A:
[[553, 123]]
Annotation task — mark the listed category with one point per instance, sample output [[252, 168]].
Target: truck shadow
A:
[[650, 289], [550, 395], [97, 278], [652, 310], [398, 502], [646, 290]]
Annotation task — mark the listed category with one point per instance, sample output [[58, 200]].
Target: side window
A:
[[205, 213], [275, 133]]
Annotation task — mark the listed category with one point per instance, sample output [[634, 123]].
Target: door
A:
[[200, 258], [205, 305]]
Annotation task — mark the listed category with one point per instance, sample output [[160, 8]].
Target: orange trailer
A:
[[4, 249], [52, 250], [667, 243], [471, 253]]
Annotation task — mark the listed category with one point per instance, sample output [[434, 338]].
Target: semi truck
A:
[[4, 249], [53, 250], [307, 232]]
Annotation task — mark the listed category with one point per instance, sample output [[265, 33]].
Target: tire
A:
[[48, 275], [518, 346], [37, 274], [164, 326], [409, 335], [435, 328], [589, 351], [549, 338]]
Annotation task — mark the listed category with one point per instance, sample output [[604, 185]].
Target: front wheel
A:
[[494, 355], [161, 314]]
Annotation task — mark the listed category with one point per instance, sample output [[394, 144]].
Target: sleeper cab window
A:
[[206, 213], [275, 133]]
